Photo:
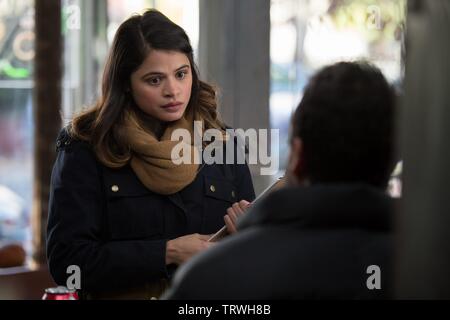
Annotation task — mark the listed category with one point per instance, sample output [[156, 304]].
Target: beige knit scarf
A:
[[152, 157]]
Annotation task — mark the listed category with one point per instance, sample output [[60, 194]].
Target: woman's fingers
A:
[[238, 210], [204, 237], [231, 212], [230, 225], [244, 205]]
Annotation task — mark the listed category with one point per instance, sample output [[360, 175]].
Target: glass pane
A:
[[80, 81], [17, 37], [96, 23], [182, 12], [16, 125], [307, 35]]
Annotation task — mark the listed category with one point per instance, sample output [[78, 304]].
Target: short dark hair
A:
[[346, 123]]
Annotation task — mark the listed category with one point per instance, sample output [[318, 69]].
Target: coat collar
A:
[[324, 206]]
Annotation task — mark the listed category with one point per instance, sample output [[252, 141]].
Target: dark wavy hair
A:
[[346, 123], [133, 41]]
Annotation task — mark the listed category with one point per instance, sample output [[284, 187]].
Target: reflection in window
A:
[[307, 35], [16, 126]]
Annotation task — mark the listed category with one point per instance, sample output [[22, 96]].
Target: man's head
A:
[[343, 129]]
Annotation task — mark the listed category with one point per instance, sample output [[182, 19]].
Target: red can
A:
[[60, 293]]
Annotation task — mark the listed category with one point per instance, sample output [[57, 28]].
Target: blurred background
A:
[[260, 54]]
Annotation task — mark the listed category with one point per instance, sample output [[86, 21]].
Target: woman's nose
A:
[[170, 88]]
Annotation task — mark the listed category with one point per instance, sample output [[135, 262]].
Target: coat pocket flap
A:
[[123, 183], [220, 189]]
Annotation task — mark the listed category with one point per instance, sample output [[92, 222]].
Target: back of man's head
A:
[[346, 123]]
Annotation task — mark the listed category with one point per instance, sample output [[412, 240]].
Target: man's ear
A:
[[296, 158]]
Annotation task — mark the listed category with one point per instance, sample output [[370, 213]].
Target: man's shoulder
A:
[[241, 248], [234, 268], [217, 273]]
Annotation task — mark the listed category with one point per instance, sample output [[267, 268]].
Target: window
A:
[[16, 125], [307, 35], [182, 12]]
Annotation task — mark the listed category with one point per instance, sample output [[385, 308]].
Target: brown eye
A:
[[181, 75], [154, 81]]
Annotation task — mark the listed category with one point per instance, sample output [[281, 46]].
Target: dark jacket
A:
[[299, 243], [110, 225]]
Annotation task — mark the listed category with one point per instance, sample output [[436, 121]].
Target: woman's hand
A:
[[233, 213], [181, 249]]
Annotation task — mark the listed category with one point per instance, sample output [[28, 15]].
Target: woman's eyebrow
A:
[[182, 67], [152, 73]]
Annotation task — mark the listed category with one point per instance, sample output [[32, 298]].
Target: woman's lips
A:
[[173, 107]]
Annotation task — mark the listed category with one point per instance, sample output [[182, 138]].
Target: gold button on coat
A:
[[233, 194], [115, 188], [213, 188]]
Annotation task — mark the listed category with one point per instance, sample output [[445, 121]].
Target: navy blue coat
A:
[[313, 242], [110, 225]]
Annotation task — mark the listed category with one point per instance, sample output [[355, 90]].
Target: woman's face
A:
[[161, 87]]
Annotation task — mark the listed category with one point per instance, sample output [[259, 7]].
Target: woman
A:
[[120, 209]]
